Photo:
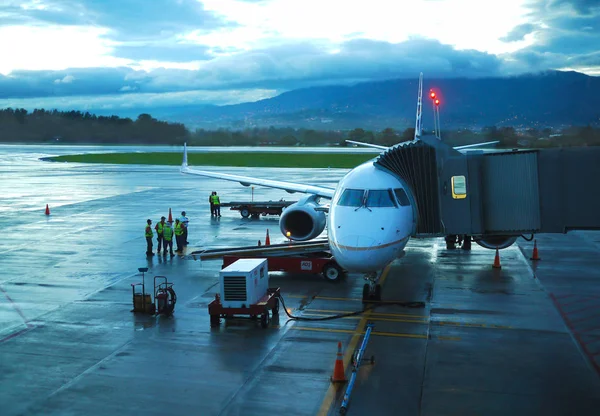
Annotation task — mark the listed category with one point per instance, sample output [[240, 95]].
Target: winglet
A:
[[184, 163]]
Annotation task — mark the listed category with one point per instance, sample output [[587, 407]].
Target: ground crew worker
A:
[[212, 207], [159, 232], [178, 235], [184, 221], [149, 234], [168, 238], [216, 204]]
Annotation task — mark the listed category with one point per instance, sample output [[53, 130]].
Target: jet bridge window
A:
[[380, 199], [459, 187], [402, 197], [352, 198]]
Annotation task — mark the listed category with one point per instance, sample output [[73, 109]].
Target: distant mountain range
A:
[[548, 99]]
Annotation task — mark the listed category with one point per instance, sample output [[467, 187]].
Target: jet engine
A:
[[302, 221], [496, 241]]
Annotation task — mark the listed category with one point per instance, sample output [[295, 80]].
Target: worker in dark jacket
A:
[[216, 204], [184, 222], [149, 234]]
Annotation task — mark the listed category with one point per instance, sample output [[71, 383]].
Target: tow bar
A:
[[357, 359]]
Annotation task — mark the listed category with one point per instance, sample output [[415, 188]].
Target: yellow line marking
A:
[[403, 315], [342, 299], [470, 325], [360, 328], [350, 331], [373, 318]]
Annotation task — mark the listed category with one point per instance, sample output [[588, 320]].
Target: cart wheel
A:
[[245, 212], [215, 321], [276, 308], [264, 319], [253, 317], [332, 272]]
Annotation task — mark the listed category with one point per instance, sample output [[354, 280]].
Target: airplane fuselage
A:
[[370, 220]]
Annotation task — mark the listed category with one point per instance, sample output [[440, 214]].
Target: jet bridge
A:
[[498, 193]]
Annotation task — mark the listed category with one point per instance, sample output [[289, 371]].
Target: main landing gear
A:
[[372, 289]]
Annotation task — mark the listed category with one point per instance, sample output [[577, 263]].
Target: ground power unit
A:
[[244, 282]]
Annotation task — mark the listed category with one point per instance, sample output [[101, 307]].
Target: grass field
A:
[[283, 160]]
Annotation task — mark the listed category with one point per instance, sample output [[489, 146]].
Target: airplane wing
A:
[[458, 148], [376, 146], [247, 181], [467, 146]]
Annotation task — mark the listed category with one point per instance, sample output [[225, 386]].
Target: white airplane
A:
[[372, 213]]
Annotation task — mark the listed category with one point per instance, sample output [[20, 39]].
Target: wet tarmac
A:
[[521, 340]]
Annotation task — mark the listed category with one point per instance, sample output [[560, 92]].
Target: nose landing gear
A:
[[372, 289]]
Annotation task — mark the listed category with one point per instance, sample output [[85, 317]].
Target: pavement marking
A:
[[16, 307], [360, 329], [443, 338], [372, 318], [351, 331], [472, 325], [402, 315]]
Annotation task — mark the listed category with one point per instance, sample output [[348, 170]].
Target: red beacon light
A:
[[437, 102], [432, 95]]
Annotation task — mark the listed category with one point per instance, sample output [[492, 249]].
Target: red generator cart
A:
[[244, 292], [313, 263]]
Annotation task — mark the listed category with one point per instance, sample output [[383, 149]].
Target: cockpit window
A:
[[380, 198], [402, 197], [352, 198]]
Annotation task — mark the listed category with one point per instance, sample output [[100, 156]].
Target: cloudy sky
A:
[[112, 54]]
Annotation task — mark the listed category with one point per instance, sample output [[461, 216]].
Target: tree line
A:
[[43, 126]]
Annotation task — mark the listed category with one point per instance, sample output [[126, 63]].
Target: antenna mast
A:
[[436, 115]]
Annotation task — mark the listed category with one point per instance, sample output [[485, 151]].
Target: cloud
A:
[[66, 80], [519, 32], [127, 20], [567, 35], [283, 67], [139, 101], [164, 51], [582, 7]]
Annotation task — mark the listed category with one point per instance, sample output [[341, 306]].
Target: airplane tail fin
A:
[[184, 163], [419, 108]]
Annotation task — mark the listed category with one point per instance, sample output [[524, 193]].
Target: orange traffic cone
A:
[[47, 210], [267, 239], [170, 216], [536, 255], [496, 264], [338, 369]]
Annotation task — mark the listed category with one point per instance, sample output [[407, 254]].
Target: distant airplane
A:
[[372, 213]]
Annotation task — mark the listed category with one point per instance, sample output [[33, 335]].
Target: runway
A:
[[521, 340]]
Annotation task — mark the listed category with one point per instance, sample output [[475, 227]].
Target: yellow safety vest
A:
[[159, 228], [215, 200], [168, 233], [149, 232], [178, 229]]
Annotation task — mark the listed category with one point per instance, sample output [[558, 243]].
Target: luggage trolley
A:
[[164, 296]]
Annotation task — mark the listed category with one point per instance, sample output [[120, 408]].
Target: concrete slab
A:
[[487, 342]]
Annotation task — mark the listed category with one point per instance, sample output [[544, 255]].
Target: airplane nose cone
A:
[[358, 253]]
